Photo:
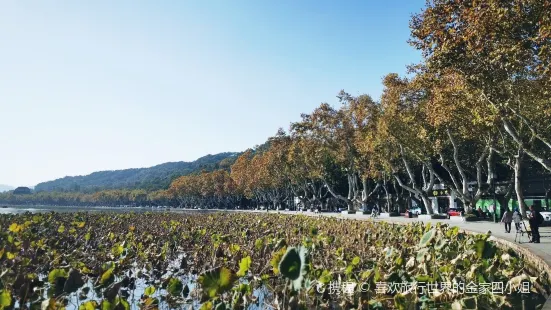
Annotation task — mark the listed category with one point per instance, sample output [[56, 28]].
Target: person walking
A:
[[507, 219], [491, 210], [535, 220], [517, 218]]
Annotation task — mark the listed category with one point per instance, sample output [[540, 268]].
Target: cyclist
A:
[[375, 211]]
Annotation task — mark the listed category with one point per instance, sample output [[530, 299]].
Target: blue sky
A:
[[105, 85]]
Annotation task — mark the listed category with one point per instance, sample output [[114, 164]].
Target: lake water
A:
[[76, 299], [44, 209]]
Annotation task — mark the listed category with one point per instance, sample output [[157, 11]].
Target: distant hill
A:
[[5, 188], [22, 190], [153, 178]]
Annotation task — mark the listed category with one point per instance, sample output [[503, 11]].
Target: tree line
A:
[[474, 112]]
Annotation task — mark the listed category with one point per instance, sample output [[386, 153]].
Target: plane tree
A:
[[273, 169], [502, 50], [463, 135], [362, 113], [404, 139], [330, 137]]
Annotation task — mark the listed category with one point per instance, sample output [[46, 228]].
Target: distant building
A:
[[22, 191]]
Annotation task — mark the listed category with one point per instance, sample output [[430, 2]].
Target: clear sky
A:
[[104, 85]]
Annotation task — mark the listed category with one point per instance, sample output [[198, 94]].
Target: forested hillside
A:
[[152, 178]]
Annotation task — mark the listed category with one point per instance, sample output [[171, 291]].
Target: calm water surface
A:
[[43, 209]]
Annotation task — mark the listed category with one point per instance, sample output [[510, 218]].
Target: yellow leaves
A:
[[234, 248], [207, 184], [5, 299], [107, 277], [276, 258], [14, 227], [117, 250], [79, 224], [216, 281], [244, 266], [89, 305], [9, 255], [85, 270]]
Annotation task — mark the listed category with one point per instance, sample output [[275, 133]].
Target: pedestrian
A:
[[535, 220], [480, 213], [375, 211], [507, 219], [517, 218]]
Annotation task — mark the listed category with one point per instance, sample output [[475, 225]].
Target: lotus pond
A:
[[167, 260]]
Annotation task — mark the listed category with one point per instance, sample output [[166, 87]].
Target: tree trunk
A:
[[504, 200], [387, 196], [518, 182], [514, 134], [418, 194], [350, 187], [349, 202], [428, 204]]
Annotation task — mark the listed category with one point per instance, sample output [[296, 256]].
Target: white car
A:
[[546, 216], [415, 210]]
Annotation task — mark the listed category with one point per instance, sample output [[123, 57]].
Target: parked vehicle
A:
[[546, 217], [415, 211], [455, 211]]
